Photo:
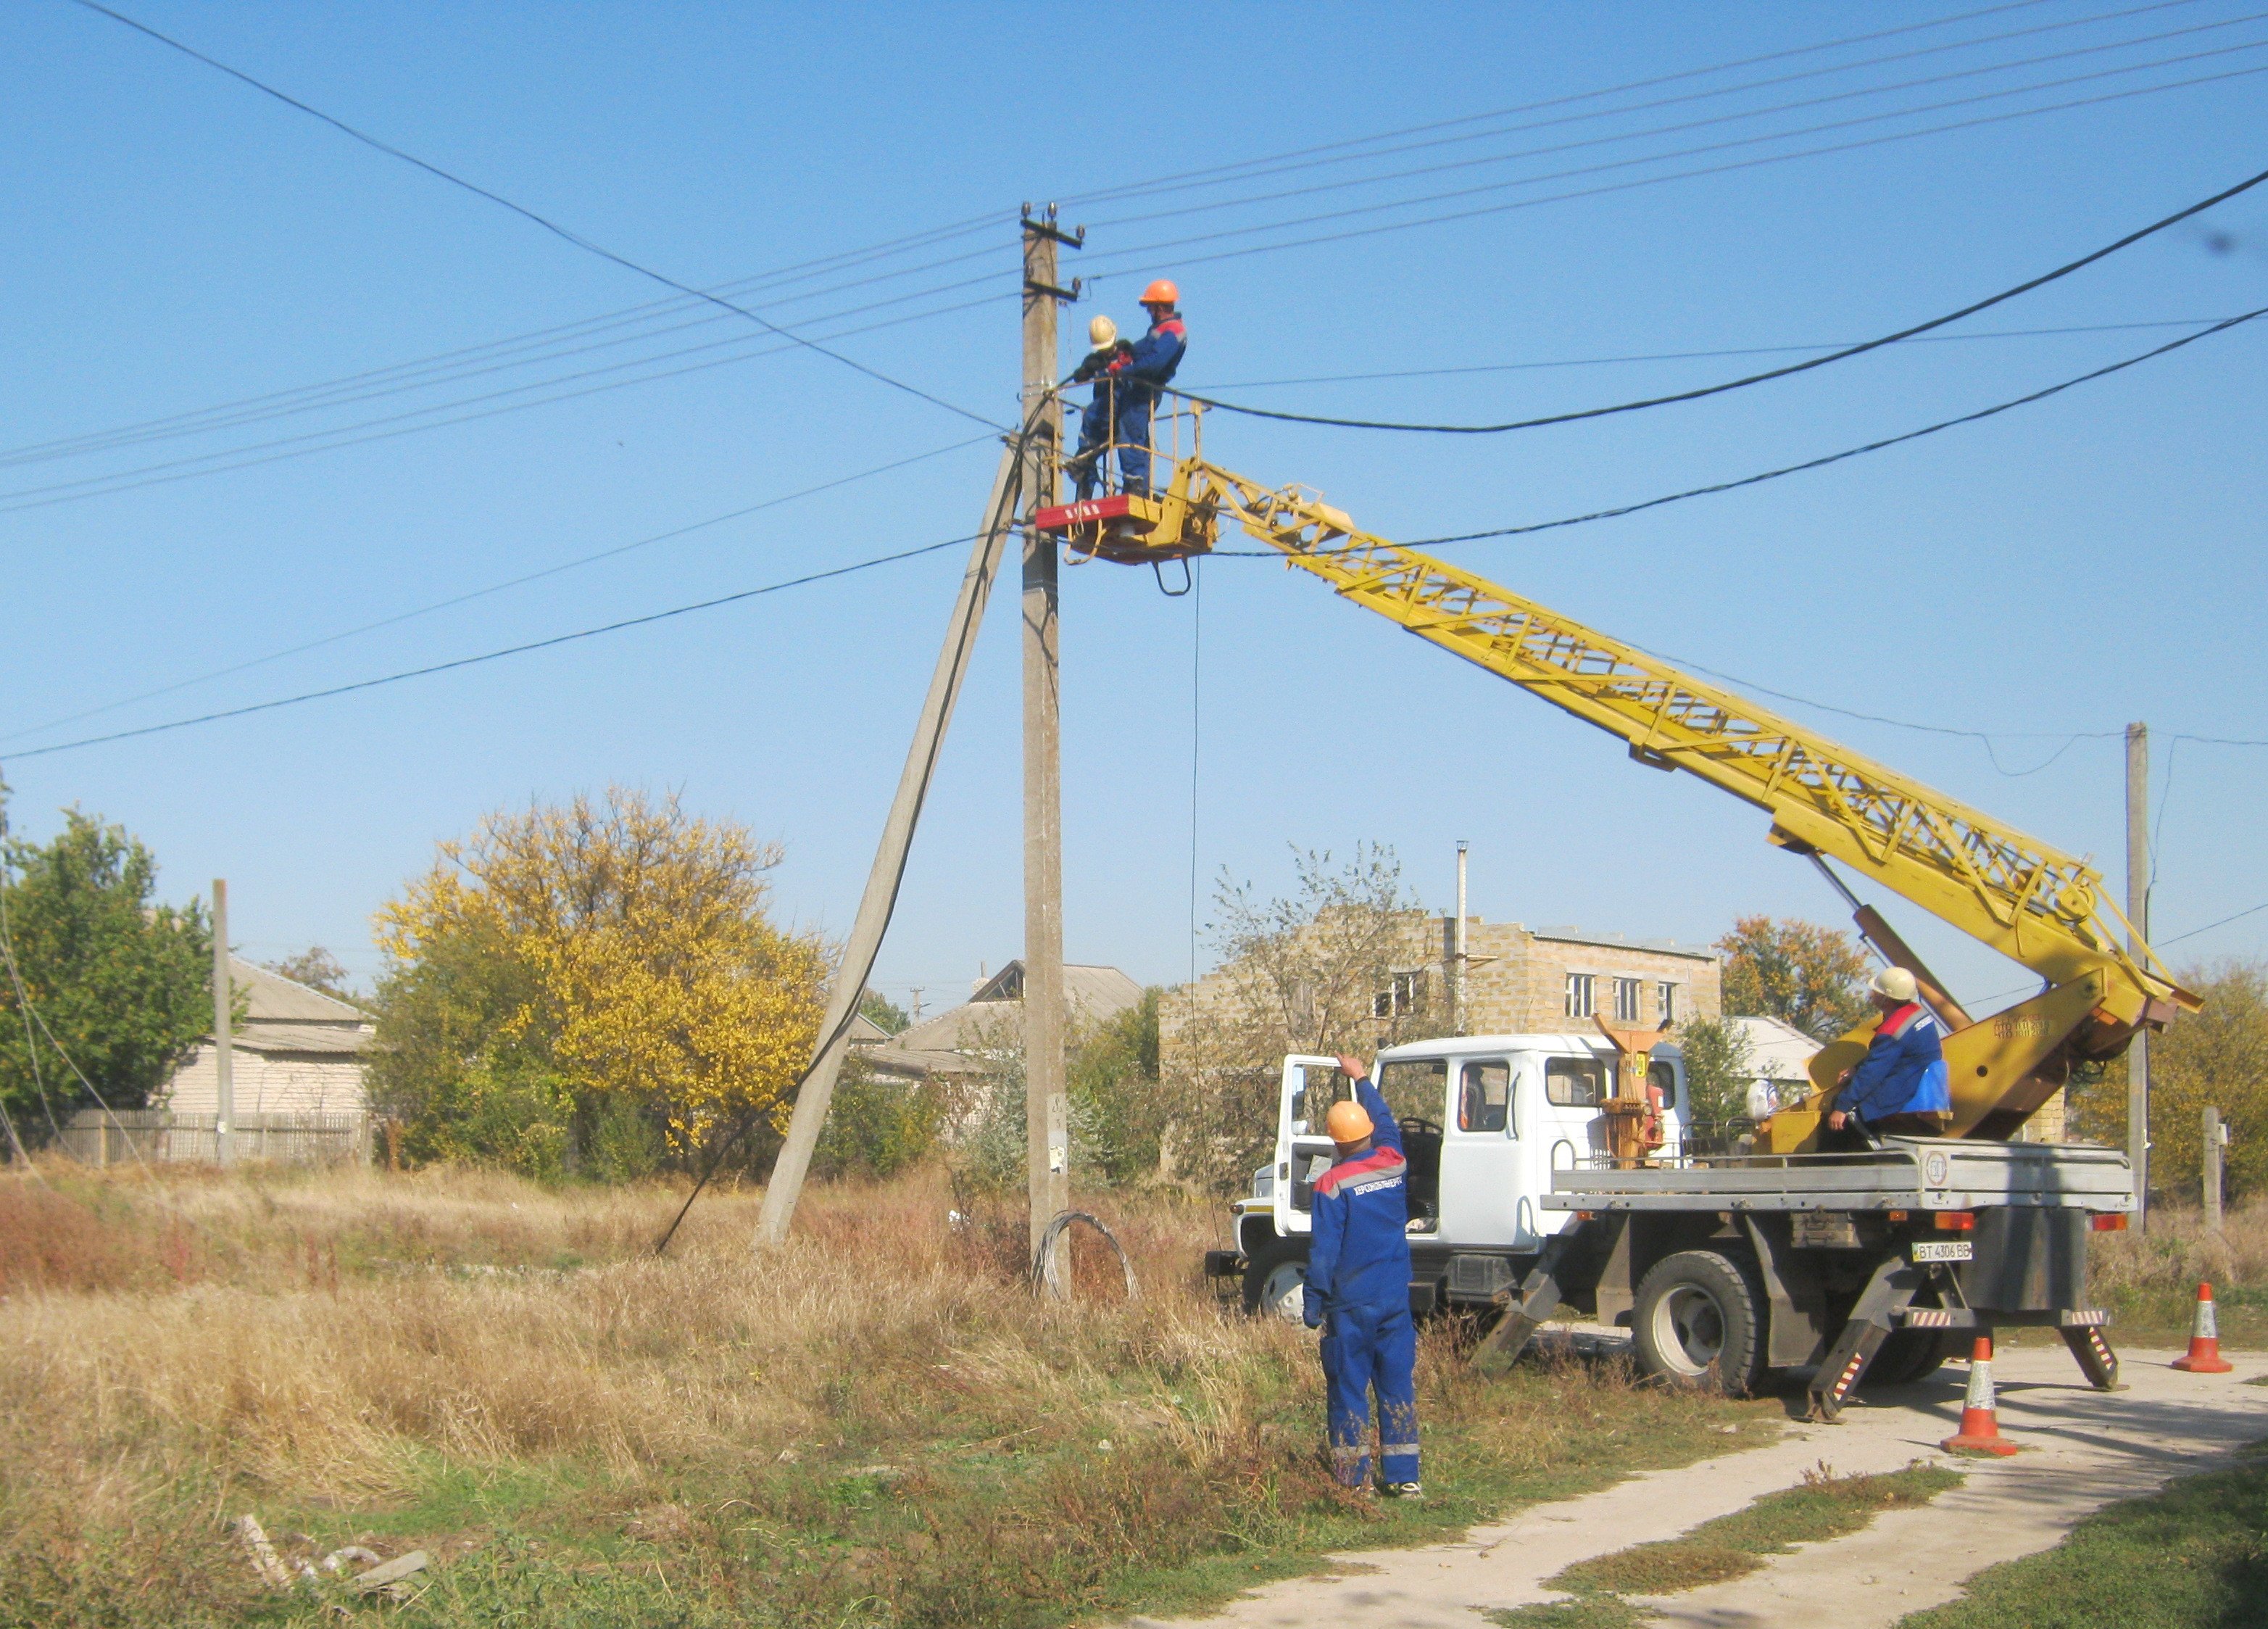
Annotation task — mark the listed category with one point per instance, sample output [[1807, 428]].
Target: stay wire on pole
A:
[[1021, 444], [489, 656], [1784, 371], [566, 236]]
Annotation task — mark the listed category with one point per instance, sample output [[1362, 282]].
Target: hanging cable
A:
[[615, 552], [1700, 392], [575, 238]]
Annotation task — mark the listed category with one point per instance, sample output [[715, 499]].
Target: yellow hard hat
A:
[[1347, 1122], [1101, 332], [1162, 292]]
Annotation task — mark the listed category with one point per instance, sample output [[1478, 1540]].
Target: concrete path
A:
[[2086, 1450]]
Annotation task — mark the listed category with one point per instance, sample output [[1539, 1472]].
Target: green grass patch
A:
[[2193, 1556], [1823, 1506]]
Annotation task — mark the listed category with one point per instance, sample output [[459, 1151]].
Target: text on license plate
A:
[[1944, 1249]]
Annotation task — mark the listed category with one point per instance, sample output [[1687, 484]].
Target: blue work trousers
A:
[[1130, 405], [1369, 1349]]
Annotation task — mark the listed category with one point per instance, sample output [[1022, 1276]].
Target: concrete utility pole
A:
[[224, 1057], [1457, 951], [1047, 1102], [2138, 915], [2215, 1137]]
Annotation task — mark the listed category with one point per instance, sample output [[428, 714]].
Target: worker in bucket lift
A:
[[1108, 355], [1358, 1290], [1901, 1087], [1127, 391]]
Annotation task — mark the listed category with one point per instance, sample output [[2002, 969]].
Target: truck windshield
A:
[[1416, 1089]]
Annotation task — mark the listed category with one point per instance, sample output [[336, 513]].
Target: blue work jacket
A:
[[1904, 1071], [1155, 356], [1360, 1256]]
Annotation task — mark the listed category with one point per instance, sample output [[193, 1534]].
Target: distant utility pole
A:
[[2138, 916], [918, 990], [224, 1057], [1457, 950], [2215, 1139], [1047, 1103]]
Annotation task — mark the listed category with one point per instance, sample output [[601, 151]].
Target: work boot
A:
[[1404, 1490]]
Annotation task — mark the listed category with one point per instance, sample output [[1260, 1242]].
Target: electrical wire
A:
[[1215, 174], [1146, 253], [1700, 392], [571, 238], [1716, 486], [350, 436], [489, 656], [1691, 356], [2224, 922], [1247, 200], [399, 617]]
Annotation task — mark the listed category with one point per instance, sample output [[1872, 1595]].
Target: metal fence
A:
[[98, 1136]]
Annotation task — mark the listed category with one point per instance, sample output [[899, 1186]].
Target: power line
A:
[[1691, 356], [479, 593], [2224, 922], [490, 656], [575, 238], [1836, 458], [1948, 76], [1145, 253], [1700, 392], [1196, 177]]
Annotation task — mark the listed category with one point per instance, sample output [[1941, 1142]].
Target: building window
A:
[[1582, 995], [1626, 999], [1404, 994], [1664, 995]]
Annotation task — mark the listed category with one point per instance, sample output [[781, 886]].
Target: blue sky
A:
[[176, 241]]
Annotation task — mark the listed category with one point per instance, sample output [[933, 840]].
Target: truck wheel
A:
[[1696, 1324], [1906, 1356], [1276, 1279]]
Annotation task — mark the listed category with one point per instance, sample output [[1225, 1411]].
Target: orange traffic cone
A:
[[2204, 1355], [1980, 1421]]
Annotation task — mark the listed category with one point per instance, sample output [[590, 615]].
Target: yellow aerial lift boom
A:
[[2032, 902]]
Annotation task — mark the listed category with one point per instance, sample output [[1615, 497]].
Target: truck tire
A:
[[1906, 1356], [1697, 1324], [1275, 1278]]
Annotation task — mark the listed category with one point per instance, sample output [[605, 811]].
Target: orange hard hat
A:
[[1347, 1122], [1162, 292]]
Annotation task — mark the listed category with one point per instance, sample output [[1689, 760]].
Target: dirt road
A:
[[2084, 1450]]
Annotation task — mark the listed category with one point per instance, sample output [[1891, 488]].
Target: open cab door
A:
[[1309, 1087]]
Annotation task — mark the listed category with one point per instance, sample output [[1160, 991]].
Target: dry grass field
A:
[[873, 1426]]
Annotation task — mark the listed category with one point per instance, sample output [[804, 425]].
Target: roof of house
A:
[[1623, 942], [1777, 1050], [992, 1018], [283, 1015]]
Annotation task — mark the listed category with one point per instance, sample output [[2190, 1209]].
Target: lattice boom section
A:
[[1666, 716]]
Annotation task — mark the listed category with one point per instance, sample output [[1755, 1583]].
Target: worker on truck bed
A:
[[1900, 1088], [1358, 1290], [1126, 392]]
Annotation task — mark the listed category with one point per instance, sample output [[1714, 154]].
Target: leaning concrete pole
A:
[[224, 1056], [881, 896]]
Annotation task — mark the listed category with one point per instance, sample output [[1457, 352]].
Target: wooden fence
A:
[[98, 1136]]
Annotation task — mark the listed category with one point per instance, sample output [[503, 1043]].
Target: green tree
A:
[[876, 1126], [121, 984], [1717, 1068], [2218, 1057], [883, 1013], [1809, 976], [1114, 1089]]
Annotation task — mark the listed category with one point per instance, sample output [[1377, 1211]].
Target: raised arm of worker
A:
[[1385, 1131]]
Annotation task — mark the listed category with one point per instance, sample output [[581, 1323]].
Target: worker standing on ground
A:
[[1901, 1087], [1358, 1290], [1127, 391]]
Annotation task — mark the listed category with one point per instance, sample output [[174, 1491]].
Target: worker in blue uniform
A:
[[1901, 1087], [1358, 1290], [1126, 392]]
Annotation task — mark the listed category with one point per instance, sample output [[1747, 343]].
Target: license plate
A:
[[1945, 1249]]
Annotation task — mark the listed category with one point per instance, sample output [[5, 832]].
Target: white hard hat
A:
[[1101, 332], [1895, 983]]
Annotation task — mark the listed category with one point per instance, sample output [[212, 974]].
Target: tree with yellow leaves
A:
[[590, 988]]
